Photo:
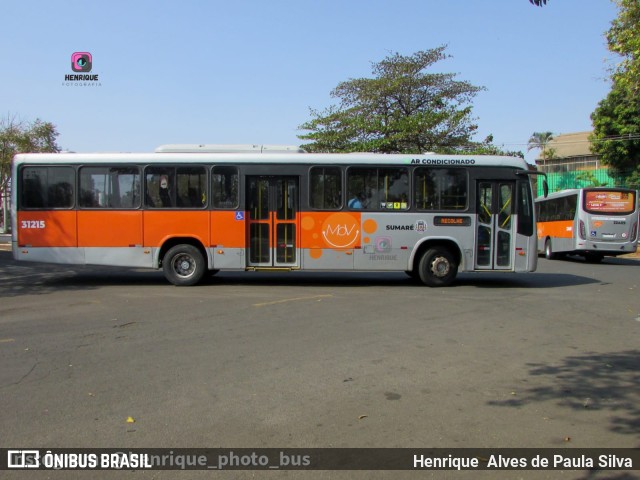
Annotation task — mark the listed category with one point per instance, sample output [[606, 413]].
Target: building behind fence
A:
[[573, 165]]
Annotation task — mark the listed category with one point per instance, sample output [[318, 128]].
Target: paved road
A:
[[549, 359]]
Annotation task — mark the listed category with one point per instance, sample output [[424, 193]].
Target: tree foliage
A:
[[538, 3], [22, 137], [540, 140], [403, 108], [487, 147], [616, 120], [623, 38], [616, 129]]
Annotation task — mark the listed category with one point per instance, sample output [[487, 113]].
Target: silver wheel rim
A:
[[440, 267], [184, 265]]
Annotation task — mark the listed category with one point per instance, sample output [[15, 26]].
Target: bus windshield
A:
[[609, 202]]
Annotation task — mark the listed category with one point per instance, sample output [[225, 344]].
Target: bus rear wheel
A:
[[548, 250], [183, 265], [438, 267]]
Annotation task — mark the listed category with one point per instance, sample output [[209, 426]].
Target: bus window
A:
[[525, 210], [47, 187], [506, 207], [224, 187], [325, 188], [570, 207], [169, 187], [378, 188], [441, 189], [159, 187], [109, 187], [191, 189]]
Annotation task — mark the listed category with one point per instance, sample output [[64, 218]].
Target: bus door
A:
[[272, 221], [495, 234]]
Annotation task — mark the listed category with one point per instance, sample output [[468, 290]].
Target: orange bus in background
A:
[[593, 222], [190, 210]]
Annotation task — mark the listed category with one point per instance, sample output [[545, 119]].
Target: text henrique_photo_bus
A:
[[592, 222], [193, 210]]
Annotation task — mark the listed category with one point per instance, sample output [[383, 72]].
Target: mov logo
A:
[[81, 62], [341, 230], [23, 458]]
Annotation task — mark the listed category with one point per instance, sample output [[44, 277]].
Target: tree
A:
[[19, 137], [487, 147], [616, 119], [589, 179], [623, 38], [540, 140], [401, 109], [616, 129], [538, 3]]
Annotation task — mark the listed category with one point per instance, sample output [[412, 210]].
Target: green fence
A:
[[586, 178]]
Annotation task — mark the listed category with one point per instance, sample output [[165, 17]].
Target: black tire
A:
[[548, 250], [183, 265], [438, 267]]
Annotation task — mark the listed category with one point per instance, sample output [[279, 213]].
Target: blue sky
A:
[[248, 71]]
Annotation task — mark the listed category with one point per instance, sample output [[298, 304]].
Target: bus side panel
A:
[[110, 228], [51, 228], [162, 225], [561, 232], [526, 254], [228, 239], [389, 238], [328, 239]]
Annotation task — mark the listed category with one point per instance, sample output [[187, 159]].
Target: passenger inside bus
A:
[[356, 201]]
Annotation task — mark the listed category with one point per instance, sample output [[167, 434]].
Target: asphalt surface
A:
[[542, 360]]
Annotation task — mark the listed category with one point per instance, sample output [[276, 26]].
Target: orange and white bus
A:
[[593, 222], [190, 210]]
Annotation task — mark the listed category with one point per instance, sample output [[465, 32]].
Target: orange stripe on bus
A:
[[160, 225], [560, 229], [228, 229], [109, 228], [52, 228]]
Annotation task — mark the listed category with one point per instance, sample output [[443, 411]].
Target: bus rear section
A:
[[592, 222]]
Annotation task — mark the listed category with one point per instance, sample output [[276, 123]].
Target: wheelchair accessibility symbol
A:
[[239, 215]]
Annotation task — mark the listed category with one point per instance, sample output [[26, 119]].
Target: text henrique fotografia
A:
[[81, 64]]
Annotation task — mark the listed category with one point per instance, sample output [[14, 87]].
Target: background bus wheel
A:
[[548, 250], [438, 267], [183, 265]]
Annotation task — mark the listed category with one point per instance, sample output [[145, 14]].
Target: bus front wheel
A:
[[438, 267], [183, 265]]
